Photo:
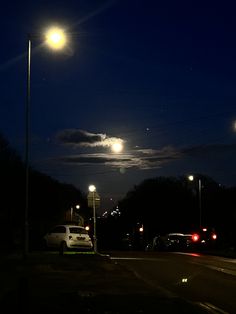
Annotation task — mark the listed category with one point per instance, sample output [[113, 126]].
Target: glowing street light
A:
[[56, 39], [141, 229], [92, 189], [191, 178], [72, 211]]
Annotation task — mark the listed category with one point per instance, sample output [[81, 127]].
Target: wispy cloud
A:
[[77, 137], [140, 159], [135, 158]]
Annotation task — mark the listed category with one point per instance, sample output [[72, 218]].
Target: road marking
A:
[[211, 308], [222, 270], [138, 258]]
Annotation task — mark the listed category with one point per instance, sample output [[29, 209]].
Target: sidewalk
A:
[[79, 283]]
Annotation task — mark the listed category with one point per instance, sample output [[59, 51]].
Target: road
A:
[[209, 281]]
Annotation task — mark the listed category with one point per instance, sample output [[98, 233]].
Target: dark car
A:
[[172, 242], [204, 238]]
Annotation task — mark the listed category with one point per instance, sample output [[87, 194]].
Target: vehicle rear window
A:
[[59, 229], [78, 230]]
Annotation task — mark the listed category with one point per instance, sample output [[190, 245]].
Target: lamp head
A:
[[55, 38], [191, 178], [92, 188]]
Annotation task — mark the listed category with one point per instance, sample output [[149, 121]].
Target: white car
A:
[[66, 237]]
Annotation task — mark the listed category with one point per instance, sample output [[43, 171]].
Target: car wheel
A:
[[63, 247]]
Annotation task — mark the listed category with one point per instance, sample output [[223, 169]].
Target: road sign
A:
[[96, 198]]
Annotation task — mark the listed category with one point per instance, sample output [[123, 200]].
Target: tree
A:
[[48, 198], [169, 204]]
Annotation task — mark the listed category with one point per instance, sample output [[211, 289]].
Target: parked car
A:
[[66, 237]]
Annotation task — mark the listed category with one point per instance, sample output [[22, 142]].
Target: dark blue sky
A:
[[157, 75]]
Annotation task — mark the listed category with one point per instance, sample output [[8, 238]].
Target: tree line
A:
[[48, 199], [168, 204]]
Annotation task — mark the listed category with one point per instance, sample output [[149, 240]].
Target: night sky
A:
[[156, 76]]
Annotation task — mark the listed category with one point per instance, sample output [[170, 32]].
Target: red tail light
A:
[[195, 237]]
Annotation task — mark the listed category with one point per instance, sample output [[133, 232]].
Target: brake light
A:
[[195, 237]]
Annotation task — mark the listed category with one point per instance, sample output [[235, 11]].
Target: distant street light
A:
[[191, 178], [56, 39], [92, 189]]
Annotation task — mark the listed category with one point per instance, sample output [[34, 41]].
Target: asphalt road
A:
[[119, 283], [208, 281], [53, 283]]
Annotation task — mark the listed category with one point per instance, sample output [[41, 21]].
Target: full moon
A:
[[117, 147]]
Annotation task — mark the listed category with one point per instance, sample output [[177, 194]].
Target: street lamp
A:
[[72, 211], [56, 39], [191, 178], [92, 189]]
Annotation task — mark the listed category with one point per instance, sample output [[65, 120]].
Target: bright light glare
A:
[[55, 38], [92, 188], [117, 147], [214, 236], [195, 237], [234, 125], [191, 178]]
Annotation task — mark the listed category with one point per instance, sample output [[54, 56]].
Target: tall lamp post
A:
[[92, 189], [55, 38], [191, 178]]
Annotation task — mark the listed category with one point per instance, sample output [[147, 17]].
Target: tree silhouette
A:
[[49, 199]]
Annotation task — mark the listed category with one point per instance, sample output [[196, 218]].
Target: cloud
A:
[[139, 159], [76, 137]]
